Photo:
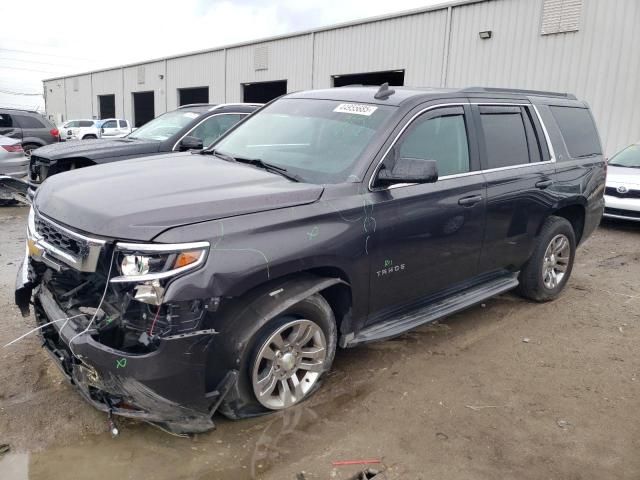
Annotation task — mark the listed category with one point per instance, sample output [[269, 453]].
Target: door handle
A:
[[470, 201], [542, 184]]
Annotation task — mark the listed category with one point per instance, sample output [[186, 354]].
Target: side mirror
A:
[[408, 170], [191, 143], [101, 129]]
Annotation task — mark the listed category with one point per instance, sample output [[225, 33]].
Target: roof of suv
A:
[[222, 107], [365, 94]]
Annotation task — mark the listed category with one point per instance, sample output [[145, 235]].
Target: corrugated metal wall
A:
[[287, 59], [107, 83], [599, 62], [152, 79], [203, 70], [55, 99], [78, 96], [414, 43]]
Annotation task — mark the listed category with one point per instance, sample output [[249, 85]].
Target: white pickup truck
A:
[[90, 129]]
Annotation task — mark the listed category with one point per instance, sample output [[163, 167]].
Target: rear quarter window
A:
[[30, 122], [578, 130], [5, 120]]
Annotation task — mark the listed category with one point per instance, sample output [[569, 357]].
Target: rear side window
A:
[[123, 124], [5, 120], [509, 136], [29, 122], [578, 130]]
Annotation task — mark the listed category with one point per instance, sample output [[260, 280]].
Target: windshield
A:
[[316, 140], [164, 126], [629, 157]]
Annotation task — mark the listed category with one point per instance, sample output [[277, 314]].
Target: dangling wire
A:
[[104, 294], [41, 327]]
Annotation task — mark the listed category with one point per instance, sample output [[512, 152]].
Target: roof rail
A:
[[236, 104], [20, 109], [540, 93], [196, 105]]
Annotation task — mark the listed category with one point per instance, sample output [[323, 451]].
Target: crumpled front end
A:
[[126, 356]]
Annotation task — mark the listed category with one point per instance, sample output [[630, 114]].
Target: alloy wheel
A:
[[289, 364], [556, 261]]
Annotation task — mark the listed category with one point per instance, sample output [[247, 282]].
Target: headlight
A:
[[138, 262]]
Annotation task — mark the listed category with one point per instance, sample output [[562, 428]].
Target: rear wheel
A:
[[287, 359], [28, 148], [549, 268]]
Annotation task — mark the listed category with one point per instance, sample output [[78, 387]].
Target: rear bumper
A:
[[17, 167], [166, 386]]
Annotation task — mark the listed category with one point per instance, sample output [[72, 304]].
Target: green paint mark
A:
[[109, 320], [388, 263], [313, 233], [121, 363]]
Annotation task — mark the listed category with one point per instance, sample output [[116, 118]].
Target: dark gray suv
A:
[[173, 286], [31, 128]]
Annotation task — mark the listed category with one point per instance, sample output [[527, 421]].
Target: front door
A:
[[426, 238]]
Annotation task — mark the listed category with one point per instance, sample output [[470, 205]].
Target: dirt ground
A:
[[509, 389]]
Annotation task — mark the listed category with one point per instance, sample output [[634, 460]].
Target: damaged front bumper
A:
[[166, 386], [126, 357]]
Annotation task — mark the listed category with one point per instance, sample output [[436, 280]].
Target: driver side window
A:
[[442, 138], [213, 127]]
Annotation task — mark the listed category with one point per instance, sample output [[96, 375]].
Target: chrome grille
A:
[[58, 238], [72, 248]]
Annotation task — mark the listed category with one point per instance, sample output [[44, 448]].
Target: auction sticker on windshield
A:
[[356, 108]]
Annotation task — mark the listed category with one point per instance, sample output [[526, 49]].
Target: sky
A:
[[42, 39]]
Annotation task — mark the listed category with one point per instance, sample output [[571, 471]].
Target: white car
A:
[[114, 127], [622, 193], [13, 162], [79, 129]]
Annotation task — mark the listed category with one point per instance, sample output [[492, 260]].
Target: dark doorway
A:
[[263, 92], [143, 108], [107, 104], [187, 96], [394, 77]]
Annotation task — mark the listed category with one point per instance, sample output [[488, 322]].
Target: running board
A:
[[433, 311]]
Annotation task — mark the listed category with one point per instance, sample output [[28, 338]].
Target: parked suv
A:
[[31, 128], [189, 127], [225, 279]]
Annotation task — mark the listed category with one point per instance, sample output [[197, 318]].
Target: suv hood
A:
[[623, 175], [139, 199], [98, 149]]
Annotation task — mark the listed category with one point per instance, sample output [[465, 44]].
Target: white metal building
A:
[[586, 47]]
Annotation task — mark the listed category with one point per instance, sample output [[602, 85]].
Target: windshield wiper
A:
[[269, 167], [219, 154]]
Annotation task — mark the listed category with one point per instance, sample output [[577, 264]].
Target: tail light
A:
[[55, 133], [13, 148]]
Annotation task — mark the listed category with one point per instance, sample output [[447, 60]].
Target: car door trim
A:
[[173, 149], [551, 160]]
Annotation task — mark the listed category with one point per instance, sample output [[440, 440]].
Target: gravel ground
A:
[[510, 389]]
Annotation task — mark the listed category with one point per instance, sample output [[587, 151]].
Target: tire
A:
[[312, 313], [89, 137], [548, 269], [28, 147]]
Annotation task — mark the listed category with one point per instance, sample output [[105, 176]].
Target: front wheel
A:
[[549, 268], [287, 360]]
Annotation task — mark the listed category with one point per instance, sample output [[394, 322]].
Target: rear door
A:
[[9, 127], [519, 173], [426, 238]]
